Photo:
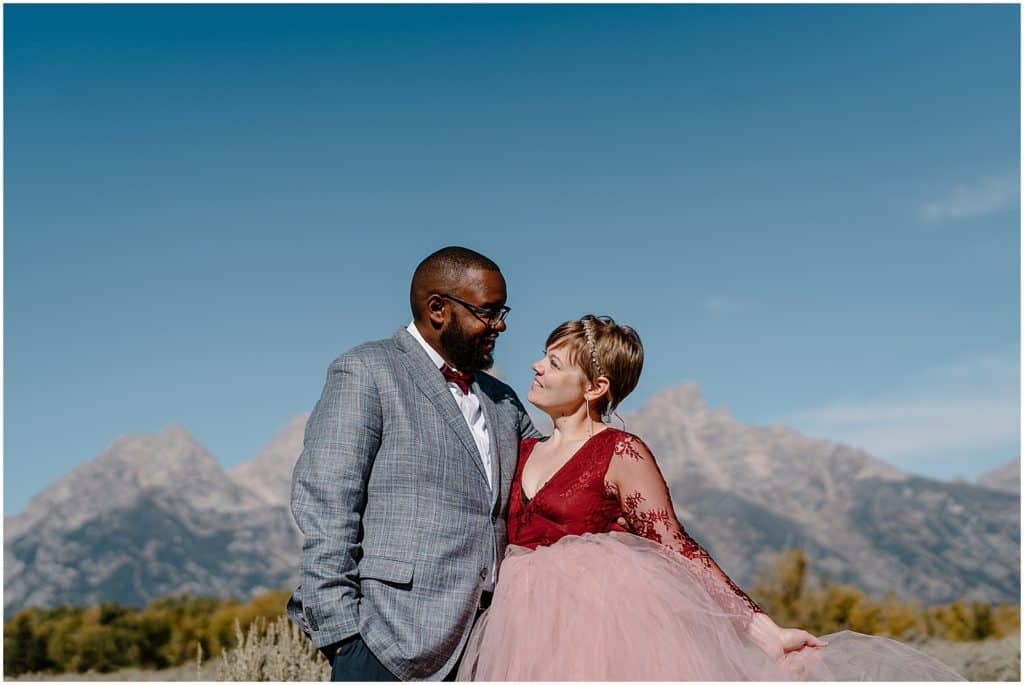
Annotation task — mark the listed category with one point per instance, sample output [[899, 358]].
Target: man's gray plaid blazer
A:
[[391, 495]]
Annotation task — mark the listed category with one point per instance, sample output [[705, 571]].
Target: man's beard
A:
[[466, 352]]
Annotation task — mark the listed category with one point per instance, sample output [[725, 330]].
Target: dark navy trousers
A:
[[355, 661]]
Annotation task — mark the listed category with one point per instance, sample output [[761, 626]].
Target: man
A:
[[401, 490]]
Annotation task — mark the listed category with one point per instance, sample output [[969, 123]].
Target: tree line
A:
[[167, 632], [171, 631], [788, 595]]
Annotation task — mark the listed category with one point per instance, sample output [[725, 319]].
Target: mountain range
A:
[[154, 514], [1005, 478]]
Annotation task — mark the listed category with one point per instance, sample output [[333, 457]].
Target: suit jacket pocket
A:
[[386, 569]]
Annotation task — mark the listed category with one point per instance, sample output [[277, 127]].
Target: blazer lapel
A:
[[491, 415], [509, 464], [431, 383]]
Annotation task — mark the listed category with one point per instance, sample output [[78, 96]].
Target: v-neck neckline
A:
[[522, 490]]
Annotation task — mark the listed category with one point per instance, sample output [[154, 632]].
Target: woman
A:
[[601, 582]]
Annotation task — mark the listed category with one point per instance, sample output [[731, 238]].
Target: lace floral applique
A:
[[626, 448], [577, 485], [644, 523], [692, 550], [649, 512], [631, 502]]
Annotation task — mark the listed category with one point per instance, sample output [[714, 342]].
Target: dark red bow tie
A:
[[457, 377]]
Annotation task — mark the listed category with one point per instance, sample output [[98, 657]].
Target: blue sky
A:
[[812, 212]]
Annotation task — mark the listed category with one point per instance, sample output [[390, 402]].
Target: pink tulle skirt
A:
[[619, 607]]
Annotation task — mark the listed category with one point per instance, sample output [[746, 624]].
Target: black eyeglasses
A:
[[488, 315]]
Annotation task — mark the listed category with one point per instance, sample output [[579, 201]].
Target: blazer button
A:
[[483, 573]]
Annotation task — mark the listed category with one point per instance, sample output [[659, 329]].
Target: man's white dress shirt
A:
[[469, 405]]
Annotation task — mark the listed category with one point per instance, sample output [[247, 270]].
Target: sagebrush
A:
[[276, 650]]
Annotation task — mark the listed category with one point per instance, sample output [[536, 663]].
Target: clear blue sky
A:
[[812, 212]]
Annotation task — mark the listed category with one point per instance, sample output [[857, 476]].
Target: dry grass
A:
[[184, 673], [996, 659], [272, 651], [279, 651]]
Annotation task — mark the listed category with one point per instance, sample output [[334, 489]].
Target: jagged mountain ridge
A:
[[129, 466], [1005, 478], [264, 474], [154, 513], [860, 520]]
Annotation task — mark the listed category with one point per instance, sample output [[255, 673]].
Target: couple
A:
[[418, 469]]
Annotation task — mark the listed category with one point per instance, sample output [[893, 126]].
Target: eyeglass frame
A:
[[492, 320]]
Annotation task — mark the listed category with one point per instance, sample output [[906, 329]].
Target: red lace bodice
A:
[[612, 475]]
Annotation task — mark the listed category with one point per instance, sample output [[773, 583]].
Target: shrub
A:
[[272, 651], [786, 594], [996, 659]]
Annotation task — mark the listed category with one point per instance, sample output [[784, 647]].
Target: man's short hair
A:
[[442, 271]]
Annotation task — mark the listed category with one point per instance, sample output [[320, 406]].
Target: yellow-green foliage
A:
[[108, 637], [787, 595]]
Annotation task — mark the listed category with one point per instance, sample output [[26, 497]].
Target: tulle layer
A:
[[616, 606]]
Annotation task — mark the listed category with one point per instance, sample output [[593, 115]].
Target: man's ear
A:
[[436, 310]]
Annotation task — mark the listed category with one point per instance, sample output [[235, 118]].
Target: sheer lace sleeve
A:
[[647, 507]]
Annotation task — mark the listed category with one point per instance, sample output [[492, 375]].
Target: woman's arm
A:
[[647, 507]]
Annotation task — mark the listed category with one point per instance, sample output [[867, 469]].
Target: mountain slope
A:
[[154, 514], [1005, 478]]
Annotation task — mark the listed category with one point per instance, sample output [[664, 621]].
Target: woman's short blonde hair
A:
[[600, 347]]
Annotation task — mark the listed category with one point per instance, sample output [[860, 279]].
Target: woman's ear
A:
[[597, 389]]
